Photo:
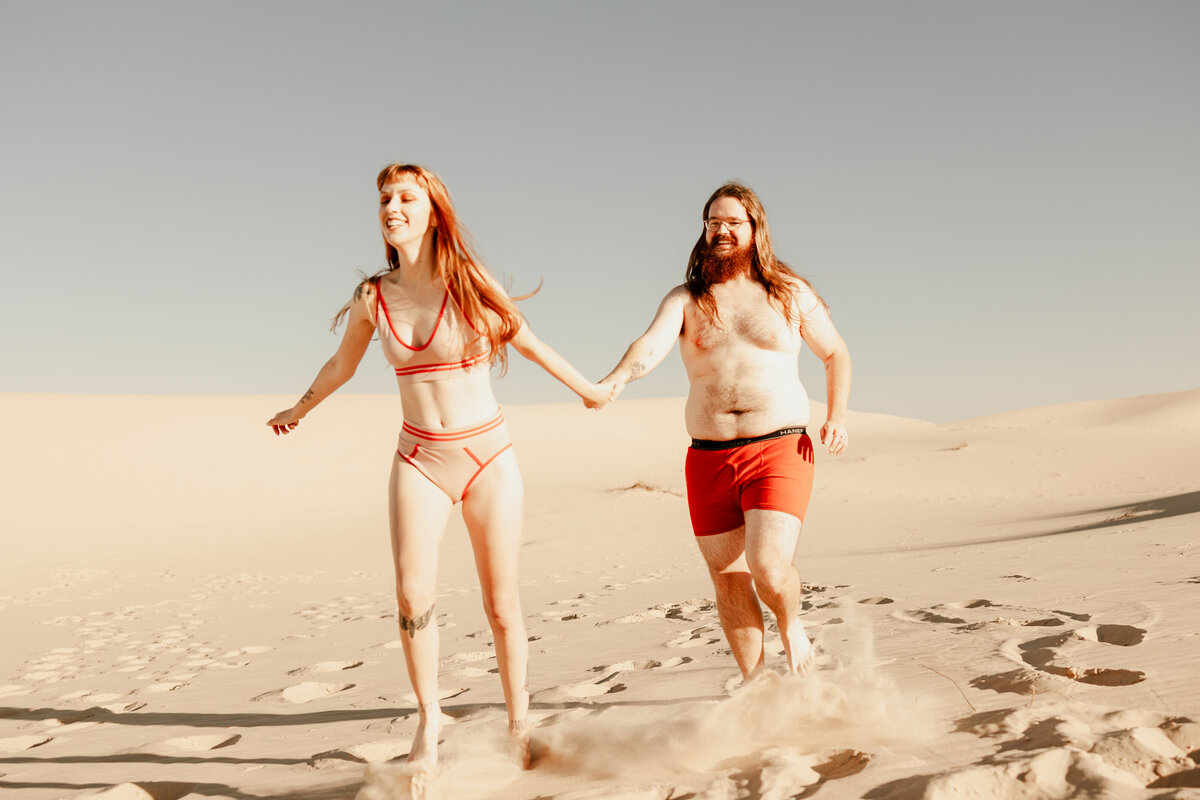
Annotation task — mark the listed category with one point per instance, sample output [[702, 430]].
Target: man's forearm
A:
[[649, 349], [636, 362], [837, 385]]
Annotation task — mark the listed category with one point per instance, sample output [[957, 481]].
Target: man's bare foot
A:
[[518, 735], [801, 655], [424, 752]]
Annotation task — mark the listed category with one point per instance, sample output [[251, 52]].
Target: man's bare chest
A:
[[756, 324]]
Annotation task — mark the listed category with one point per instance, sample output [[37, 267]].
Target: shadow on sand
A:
[[1125, 514]]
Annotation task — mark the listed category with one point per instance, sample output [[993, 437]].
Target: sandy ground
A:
[[1004, 607]]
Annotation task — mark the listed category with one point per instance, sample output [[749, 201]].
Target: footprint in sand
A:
[[782, 772], [163, 687], [444, 694], [1044, 622], [188, 744], [842, 764], [578, 691], [91, 696], [459, 662], [565, 616], [1042, 653], [325, 666], [606, 684], [637, 666], [1121, 635], [69, 723], [958, 614], [640, 616], [689, 609], [305, 692], [1108, 751], [578, 600], [695, 638], [376, 752], [144, 790], [1042, 656], [466, 657], [686, 611], [123, 708], [927, 615], [15, 744]]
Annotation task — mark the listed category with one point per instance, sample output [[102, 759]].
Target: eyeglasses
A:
[[713, 225]]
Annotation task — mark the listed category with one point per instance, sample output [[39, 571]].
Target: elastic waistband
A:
[[455, 434], [709, 444]]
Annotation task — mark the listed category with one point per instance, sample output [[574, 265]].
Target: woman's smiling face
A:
[[405, 211]]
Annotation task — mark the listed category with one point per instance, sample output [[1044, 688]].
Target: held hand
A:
[[611, 390], [600, 395], [834, 436], [613, 386], [284, 421]]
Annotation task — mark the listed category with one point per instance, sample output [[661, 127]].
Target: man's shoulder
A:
[[680, 295], [805, 297]]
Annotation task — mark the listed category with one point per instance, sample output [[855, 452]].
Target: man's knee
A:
[[773, 576], [731, 583]]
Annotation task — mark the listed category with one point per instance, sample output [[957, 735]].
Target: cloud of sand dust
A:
[[851, 705], [808, 715], [847, 704], [473, 762]]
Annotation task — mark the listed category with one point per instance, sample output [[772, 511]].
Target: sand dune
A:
[[195, 609], [1170, 410]]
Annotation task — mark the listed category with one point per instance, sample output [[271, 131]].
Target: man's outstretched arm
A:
[[827, 344], [648, 351]]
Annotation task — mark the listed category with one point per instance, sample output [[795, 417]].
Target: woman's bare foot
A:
[[424, 752], [801, 654], [518, 735]]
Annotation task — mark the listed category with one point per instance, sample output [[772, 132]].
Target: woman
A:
[[442, 321]]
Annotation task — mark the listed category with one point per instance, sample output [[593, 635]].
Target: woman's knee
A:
[[504, 613], [413, 599]]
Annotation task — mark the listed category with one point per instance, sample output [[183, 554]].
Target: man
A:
[[741, 319]]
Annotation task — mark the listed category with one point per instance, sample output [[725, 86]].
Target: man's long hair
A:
[[774, 275]]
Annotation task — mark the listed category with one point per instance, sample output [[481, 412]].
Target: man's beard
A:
[[718, 267]]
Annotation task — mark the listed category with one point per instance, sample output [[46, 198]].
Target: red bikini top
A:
[[452, 349]]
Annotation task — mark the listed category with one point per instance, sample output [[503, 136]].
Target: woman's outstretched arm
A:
[[542, 354], [340, 368]]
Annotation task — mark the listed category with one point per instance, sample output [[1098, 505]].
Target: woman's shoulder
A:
[[363, 301], [366, 290]]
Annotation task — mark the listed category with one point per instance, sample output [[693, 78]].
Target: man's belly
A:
[[720, 412]]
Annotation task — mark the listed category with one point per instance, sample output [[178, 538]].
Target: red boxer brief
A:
[[725, 479]]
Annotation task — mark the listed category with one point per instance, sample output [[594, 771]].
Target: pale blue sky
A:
[[1000, 201]]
